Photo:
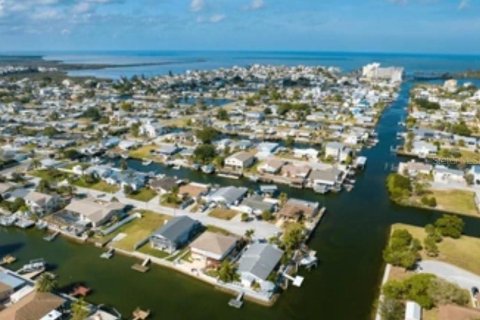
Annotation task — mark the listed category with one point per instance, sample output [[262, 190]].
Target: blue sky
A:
[[440, 26]]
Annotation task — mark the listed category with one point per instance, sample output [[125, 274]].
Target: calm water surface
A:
[[349, 242]]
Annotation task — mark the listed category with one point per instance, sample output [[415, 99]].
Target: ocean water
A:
[[181, 61]]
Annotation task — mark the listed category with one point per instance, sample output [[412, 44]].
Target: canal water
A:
[[349, 243]]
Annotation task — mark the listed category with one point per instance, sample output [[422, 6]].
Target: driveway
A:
[[465, 279]]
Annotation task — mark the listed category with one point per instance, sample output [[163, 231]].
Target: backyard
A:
[[140, 229]]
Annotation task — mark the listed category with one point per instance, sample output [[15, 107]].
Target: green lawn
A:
[[50, 175], [215, 229], [140, 229], [458, 201], [144, 194], [225, 214], [463, 252], [147, 249], [143, 152], [100, 186]]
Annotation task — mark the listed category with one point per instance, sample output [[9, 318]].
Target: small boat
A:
[[176, 167], [254, 178], [146, 162], [124, 155], [24, 223], [209, 169], [7, 221], [41, 225], [33, 266]]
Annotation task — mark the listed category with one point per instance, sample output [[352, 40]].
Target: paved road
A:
[[263, 230], [461, 277]]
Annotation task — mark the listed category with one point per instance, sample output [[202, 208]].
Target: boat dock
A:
[[140, 314], [33, 266], [237, 302], [8, 259], [142, 267], [51, 237], [108, 254]]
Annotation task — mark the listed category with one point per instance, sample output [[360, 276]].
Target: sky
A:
[[415, 26]]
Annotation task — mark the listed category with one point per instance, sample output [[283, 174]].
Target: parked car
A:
[[474, 291]]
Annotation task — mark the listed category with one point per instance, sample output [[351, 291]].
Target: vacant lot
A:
[[458, 201], [100, 186], [463, 252], [140, 229], [144, 194], [144, 152], [225, 214]]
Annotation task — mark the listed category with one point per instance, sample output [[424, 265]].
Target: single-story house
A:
[[309, 153], [257, 263], [94, 212], [164, 185], [443, 174], [413, 168], [35, 305], [423, 149], [295, 209], [228, 195], [193, 190], [212, 248], [327, 177], [42, 203], [271, 166], [333, 150], [257, 205], [175, 234]]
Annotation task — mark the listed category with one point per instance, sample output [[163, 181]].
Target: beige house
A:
[[95, 212], [212, 248], [240, 160], [41, 203]]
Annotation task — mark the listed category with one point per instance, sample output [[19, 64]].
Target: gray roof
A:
[[257, 203], [260, 259], [230, 194], [175, 228], [10, 280]]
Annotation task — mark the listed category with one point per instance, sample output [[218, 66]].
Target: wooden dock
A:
[[144, 267], [51, 237], [237, 302]]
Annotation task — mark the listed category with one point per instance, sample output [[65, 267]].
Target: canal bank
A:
[[349, 242]]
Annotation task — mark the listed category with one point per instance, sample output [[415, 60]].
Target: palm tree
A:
[[35, 163], [79, 310], [46, 283], [249, 234]]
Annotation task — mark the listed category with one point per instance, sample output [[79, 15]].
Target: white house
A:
[[152, 130], [309, 153], [443, 174], [334, 150], [423, 149], [240, 160]]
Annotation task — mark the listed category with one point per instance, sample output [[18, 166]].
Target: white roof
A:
[[413, 311]]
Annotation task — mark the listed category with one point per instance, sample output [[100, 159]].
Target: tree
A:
[[128, 190], [135, 129], [244, 217], [294, 235], [43, 186], [450, 226], [289, 142], [402, 249], [470, 179], [50, 131], [92, 113], [123, 164], [392, 309], [71, 154], [222, 114], [430, 246], [249, 234], [227, 272], [399, 187], [204, 153], [126, 106], [267, 215], [46, 283], [207, 135], [283, 197], [79, 310]]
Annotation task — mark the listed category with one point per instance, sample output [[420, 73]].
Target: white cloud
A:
[[197, 5], [463, 4], [217, 18], [256, 4]]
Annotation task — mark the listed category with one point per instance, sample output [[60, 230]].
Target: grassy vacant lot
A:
[[100, 186], [463, 252], [458, 201], [144, 194], [143, 152], [50, 175], [219, 230], [140, 229], [225, 214]]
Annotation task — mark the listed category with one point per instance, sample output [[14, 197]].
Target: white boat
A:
[[32, 266], [24, 223], [176, 167], [208, 169], [7, 221], [41, 225], [147, 162]]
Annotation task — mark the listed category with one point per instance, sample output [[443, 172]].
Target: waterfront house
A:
[[136, 180], [175, 234], [228, 195], [271, 166], [256, 204], [163, 185], [95, 213], [309, 153], [333, 150], [326, 177], [210, 249], [193, 190], [41, 203], [423, 149], [152, 130], [267, 147], [240, 160], [297, 209], [295, 171], [35, 306], [257, 263], [442, 174], [413, 168]]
